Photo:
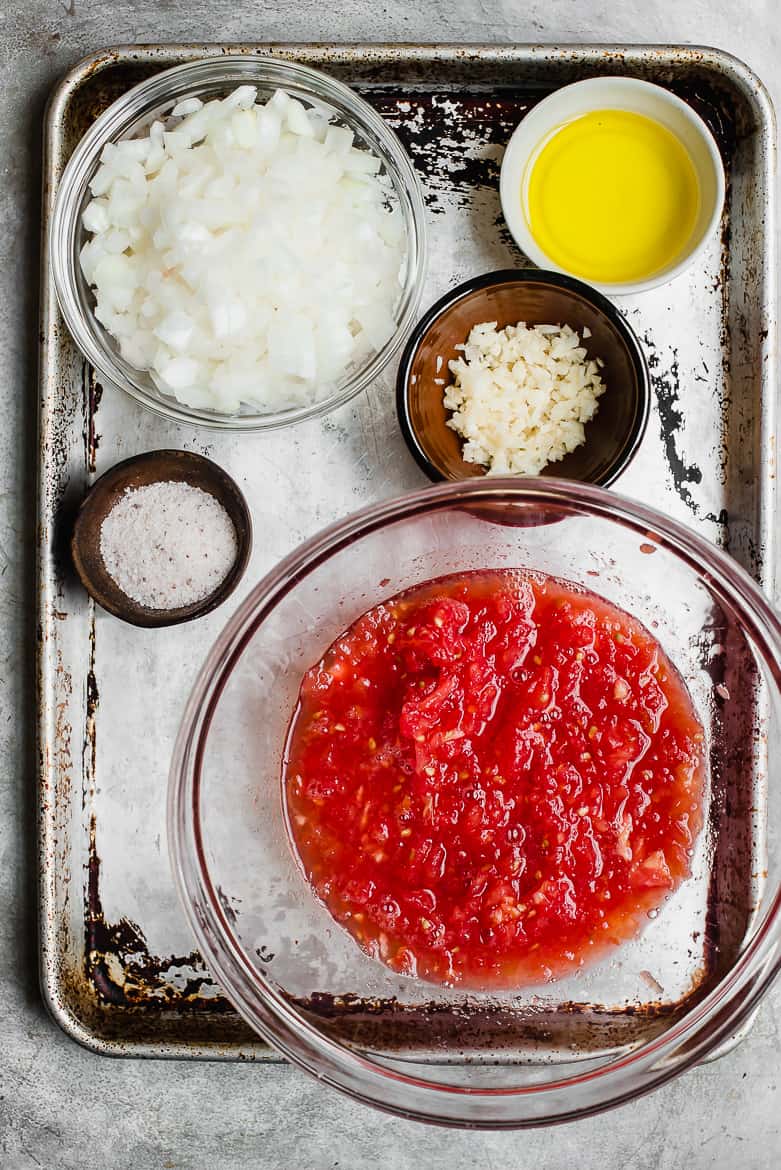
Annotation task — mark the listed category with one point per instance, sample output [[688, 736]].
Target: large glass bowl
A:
[[646, 1011], [155, 98]]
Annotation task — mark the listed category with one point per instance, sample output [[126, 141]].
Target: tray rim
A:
[[317, 54]]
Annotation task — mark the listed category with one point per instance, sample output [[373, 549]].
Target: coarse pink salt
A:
[[168, 544]]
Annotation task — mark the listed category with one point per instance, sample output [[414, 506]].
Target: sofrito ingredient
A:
[[244, 252], [612, 196], [168, 544], [521, 395], [492, 778]]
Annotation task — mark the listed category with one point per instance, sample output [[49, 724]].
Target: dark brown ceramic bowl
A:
[[155, 467], [537, 298]]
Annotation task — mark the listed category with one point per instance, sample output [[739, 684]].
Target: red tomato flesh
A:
[[492, 777]]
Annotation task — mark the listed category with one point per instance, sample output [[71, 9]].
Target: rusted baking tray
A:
[[118, 969]]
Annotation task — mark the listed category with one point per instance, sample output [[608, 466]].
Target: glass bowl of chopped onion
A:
[[343, 1001], [239, 243]]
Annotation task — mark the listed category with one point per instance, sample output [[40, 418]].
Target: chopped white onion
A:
[[244, 253]]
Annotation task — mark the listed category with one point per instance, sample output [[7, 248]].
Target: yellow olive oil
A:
[[612, 196]]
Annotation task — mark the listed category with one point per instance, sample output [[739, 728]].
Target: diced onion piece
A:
[[96, 218], [175, 330], [297, 119], [339, 139], [188, 106]]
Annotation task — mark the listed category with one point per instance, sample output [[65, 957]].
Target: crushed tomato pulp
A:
[[492, 777]]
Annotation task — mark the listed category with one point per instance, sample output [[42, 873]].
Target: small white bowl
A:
[[605, 93]]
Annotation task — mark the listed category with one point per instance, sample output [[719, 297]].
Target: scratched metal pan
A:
[[117, 966]]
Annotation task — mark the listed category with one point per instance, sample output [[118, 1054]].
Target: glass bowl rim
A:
[[269, 1014], [111, 123]]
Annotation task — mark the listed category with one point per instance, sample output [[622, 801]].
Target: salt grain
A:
[[168, 545]]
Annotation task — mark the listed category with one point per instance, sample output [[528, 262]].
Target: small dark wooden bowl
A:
[[155, 467], [537, 298]]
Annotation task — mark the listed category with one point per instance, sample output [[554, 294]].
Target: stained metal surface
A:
[[118, 969]]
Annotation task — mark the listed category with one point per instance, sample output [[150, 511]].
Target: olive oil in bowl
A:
[[612, 196]]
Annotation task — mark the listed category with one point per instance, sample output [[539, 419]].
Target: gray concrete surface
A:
[[61, 1107]]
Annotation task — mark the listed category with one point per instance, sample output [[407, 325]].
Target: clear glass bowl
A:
[[535, 1055], [155, 98]]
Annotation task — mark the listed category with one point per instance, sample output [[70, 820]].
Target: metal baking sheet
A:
[[118, 970]]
